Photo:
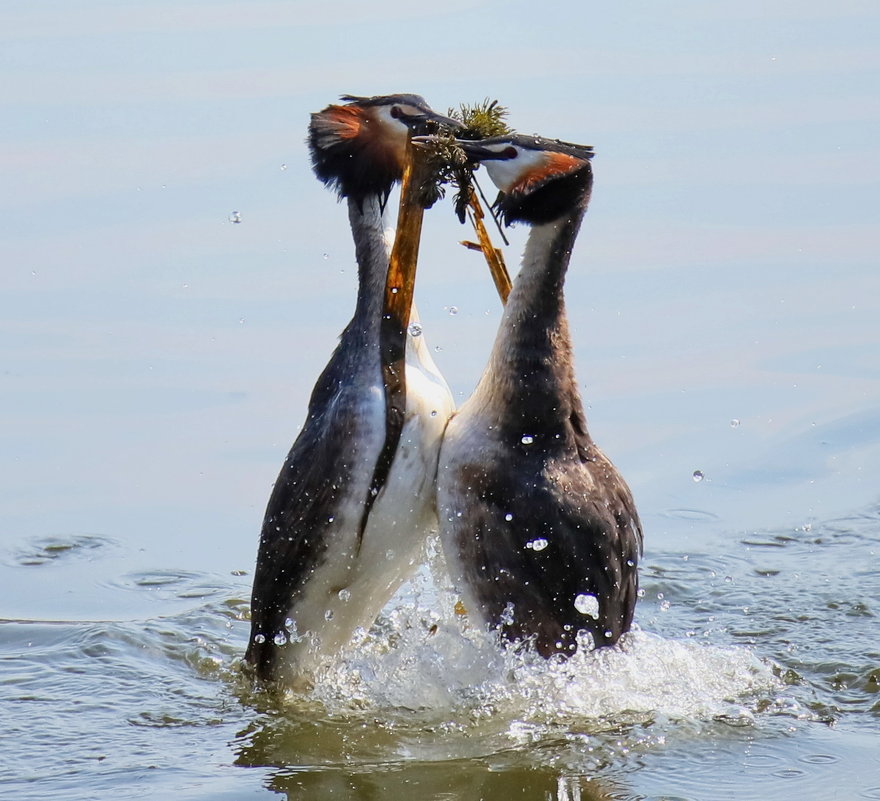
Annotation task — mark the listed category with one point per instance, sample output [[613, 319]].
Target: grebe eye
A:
[[510, 152], [395, 112]]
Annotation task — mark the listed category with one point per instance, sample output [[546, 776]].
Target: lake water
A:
[[157, 356]]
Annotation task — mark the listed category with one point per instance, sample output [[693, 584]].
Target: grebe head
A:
[[539, 179], [359, 148]]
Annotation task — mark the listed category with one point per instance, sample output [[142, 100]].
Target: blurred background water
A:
[[173, 279]]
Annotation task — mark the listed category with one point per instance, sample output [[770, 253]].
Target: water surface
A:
[[157, 357]]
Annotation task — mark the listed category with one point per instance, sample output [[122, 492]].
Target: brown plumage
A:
[[538, 527]]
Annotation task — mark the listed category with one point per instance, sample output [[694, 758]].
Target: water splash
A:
[[422, 656]]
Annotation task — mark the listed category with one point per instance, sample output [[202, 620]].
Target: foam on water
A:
[[423, 656]]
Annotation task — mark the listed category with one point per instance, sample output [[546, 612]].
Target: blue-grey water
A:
[[156, 356]]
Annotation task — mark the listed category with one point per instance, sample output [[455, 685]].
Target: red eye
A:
[[395, 112], [509, 152]]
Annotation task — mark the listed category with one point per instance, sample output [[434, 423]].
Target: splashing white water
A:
[[423, 656]]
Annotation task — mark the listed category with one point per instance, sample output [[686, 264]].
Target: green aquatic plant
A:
[[481, 120], [446, 163]]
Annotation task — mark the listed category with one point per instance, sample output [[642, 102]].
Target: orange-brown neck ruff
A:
[[548, 192], [554, 165], [354, 152]]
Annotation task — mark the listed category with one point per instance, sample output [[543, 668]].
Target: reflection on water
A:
[[746, 651], [458, 781]]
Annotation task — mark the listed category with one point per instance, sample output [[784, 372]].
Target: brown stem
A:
[[493, 255]]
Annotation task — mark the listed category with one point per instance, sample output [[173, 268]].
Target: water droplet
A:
[[734, 423], [508, 517], [328, 615], [537, 545], [330, 519], [415, 330], [280, 638], [453, 310], [288, 622], [437, 348], [527, 439], [698, 476], [235, 217], [241, 320], [506, 617], [664, 606], [433, 412], [344, 595], [389, 554], [325, 256], [259, 639], [394, 290], [283, 167], [587, 604]]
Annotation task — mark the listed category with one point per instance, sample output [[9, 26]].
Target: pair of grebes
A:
[[538, 528]]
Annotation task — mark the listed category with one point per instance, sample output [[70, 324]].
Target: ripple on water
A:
[[172, 584], [47, 550]]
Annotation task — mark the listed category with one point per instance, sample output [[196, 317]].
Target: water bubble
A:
[[453, 310], [527, 439], [415, 330], [328, 615], [508, 517], [698, 476], [280, 638], [537, 545], [359, 634], [259, 639], [235, 217], [587, 604], [734, 423], [344, 595]]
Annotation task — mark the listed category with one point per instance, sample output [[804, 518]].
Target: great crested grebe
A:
[[355, 498], [538, 527]]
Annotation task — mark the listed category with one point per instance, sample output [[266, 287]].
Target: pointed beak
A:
[[477, 151], [427, 121]]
